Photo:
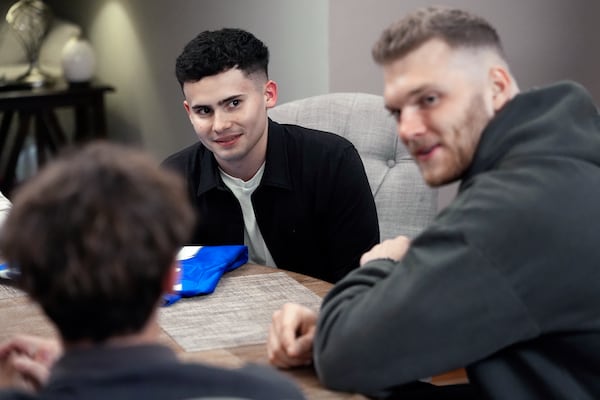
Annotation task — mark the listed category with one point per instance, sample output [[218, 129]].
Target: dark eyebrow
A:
[[198, 107], [228, 99], [220, 103]]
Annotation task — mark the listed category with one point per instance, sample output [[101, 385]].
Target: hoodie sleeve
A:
[[440, 308]]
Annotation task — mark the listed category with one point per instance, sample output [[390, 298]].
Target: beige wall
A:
[[317, 46], [545, 41], [137, 41]]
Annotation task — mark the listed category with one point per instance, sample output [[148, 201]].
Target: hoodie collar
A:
[[560, 119]]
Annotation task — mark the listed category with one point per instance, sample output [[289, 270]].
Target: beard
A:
[[459, 143]]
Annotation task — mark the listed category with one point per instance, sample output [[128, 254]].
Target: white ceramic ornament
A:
[[78, 60]]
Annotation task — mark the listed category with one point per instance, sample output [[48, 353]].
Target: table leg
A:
[[98, 116], [42, 138], [13, 157], [81, 123], [7, 117], [56, 135]]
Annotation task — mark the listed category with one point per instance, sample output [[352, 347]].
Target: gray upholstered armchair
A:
[[405, 204]]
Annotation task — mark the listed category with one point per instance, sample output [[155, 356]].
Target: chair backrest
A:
[[405, 204]]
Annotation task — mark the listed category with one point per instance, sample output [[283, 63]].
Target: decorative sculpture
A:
[[30, 20]]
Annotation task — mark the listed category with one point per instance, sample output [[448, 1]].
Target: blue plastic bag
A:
[[202, 268], [7, 273]]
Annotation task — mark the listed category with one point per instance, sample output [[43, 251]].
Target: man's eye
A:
[[235, 103], [203, 110], [430, 100], [395, 113]]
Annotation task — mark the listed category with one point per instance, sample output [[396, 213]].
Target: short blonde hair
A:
[[457, 28]]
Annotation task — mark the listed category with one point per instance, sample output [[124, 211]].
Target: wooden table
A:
[[35, 112], [19, 315]]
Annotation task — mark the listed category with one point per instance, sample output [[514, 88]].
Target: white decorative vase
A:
[[78, 60]]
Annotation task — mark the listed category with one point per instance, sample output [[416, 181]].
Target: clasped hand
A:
[[293, 327], [291, 336], [25, 362]]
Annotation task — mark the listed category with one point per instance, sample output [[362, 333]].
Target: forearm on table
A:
[[389, 323]]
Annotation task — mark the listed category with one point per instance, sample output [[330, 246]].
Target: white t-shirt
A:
[[258, 253]]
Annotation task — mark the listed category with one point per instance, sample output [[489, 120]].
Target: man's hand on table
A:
[[393, 249], [291, 336], [292, 330], [25, 362]]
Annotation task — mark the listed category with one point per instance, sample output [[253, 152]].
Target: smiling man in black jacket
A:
[[506, 281], [299, 198]]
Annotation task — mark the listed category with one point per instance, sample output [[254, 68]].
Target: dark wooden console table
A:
[[34, 113]]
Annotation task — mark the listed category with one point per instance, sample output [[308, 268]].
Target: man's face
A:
[[229, 114], [439, 98]]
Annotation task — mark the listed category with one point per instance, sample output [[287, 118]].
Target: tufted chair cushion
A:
[[405, 204]]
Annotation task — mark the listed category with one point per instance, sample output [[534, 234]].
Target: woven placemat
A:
[[238, 312], [8, 290]]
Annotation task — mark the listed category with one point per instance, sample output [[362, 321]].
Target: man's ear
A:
[[270, 93], [172, 277], [502, 86], [187, 108]]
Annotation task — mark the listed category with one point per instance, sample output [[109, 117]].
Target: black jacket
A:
[[506, 281], [153, 372], [314, 206]]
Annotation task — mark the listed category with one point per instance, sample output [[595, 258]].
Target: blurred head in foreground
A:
[[94, 236]]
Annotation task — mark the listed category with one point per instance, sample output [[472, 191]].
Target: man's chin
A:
[[231, 154], [437, 180]]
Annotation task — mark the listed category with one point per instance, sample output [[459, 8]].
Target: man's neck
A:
[[242, 171], [148, 335]]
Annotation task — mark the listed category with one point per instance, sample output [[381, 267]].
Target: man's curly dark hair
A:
[[213, 52]]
